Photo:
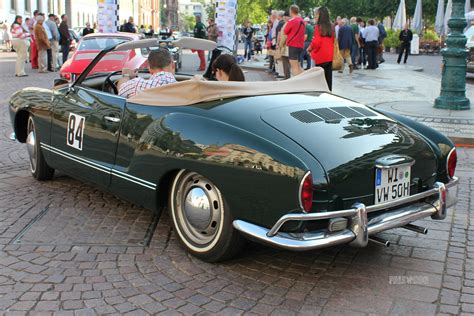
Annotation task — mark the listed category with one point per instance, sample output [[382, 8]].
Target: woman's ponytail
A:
[[236, 73]]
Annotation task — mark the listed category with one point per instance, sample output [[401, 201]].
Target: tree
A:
[[255, 11], [188, 22]]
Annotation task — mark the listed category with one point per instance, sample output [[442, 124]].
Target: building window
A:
[[13, 5], [38, 5], [28, 6]]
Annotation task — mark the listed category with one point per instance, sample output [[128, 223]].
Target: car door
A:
[[85, 131]]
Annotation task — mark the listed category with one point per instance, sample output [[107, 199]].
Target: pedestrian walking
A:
[[355, 41], [345, 39], [372, 34], [200, 32], [362, 52], [337, 26], [212, 35], [87, 29], [49, 34], [308, 37], [20, 43], [247, 36], [33, 50], [295, 30], [65, 37], [381, 47], [406, 36], [322, 45], [282, 48], [7, 35], [42, 44], [53, 42]]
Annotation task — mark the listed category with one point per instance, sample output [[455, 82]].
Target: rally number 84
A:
[[75, 131]]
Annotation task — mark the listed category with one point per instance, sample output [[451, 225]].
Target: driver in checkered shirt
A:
[[162, 68]]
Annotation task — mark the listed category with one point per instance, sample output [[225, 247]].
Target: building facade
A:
[[148, 13], [10, 8]]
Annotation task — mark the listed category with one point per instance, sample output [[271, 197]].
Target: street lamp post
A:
[[453, 82]]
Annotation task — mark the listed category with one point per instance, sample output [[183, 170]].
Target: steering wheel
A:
[[110, 82]]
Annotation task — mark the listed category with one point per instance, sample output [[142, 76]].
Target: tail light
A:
[[451, 162], [306, 192]]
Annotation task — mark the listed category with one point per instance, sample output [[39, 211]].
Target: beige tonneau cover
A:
[[196, 91]]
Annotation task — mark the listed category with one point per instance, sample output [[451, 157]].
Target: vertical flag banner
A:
[[108, 16], [226, 20]]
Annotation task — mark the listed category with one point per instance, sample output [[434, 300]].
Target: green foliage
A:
[[255, 11], [430, 36], [392, 39], [188, 22]]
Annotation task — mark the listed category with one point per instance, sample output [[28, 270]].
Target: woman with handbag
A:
[[323, 44]]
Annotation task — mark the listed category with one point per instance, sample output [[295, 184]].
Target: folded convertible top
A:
[[197, 91]]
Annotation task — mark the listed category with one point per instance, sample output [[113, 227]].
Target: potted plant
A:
[[392, 40]]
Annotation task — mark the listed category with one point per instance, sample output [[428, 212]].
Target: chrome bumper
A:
[[433, 202]]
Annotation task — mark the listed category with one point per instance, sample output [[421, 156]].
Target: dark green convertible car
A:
[[284, 163]]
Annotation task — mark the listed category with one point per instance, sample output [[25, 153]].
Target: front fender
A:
[[31, 101]]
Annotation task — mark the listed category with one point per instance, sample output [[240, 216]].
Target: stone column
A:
[[453, 83]]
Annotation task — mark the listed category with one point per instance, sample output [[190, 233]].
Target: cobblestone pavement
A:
[[86, 253]]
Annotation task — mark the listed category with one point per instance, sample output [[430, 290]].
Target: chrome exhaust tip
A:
[[380, 241], [416, 228]]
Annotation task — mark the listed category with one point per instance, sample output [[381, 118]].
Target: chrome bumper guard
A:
[[433, 202]]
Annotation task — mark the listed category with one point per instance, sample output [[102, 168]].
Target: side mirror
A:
[[60, 82]]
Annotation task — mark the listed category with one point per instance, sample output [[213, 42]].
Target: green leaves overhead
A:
[[257, 10]]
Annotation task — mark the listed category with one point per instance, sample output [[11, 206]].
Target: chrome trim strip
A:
[[76, 160], [99, 167], [410, 163]]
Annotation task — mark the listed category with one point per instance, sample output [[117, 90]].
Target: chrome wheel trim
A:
[[197, 211], [31, 145]]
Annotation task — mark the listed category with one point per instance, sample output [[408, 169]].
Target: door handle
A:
[[112, 119]]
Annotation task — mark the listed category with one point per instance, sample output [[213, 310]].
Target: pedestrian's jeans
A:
[[248, 49], [371, 48], [304, 55], [354, 53], [65, 49]]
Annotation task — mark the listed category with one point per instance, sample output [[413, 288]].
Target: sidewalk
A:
[[404, 90]]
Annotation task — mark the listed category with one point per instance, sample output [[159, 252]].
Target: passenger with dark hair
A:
[[161, 65], [322, 45], [225, 68]]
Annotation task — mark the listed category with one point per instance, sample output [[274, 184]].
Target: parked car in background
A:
[[74, 40], [90, 45], [78, 30]]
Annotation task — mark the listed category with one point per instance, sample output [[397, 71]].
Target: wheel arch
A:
[[21, 125], [164, 187]]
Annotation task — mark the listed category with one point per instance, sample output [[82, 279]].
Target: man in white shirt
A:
[[162, 70]]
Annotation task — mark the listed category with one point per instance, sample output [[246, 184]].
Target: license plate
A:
[[392, 183]]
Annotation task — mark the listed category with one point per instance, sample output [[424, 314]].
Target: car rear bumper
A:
[[433, 202]]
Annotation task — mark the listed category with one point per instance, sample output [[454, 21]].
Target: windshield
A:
[[100, 43]]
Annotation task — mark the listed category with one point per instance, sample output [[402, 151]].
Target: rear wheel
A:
[[201, 219], [38, 166]]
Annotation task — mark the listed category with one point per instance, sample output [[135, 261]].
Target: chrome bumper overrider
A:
[[433, 202]]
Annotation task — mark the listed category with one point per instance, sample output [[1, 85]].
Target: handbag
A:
[[337, 60]]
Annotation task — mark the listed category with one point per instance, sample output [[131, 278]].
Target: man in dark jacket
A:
[[405, 37], [345, 38], [129, 26], [65, 37]]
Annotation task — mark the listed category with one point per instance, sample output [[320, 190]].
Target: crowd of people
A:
[[37, 40], [291, 41]]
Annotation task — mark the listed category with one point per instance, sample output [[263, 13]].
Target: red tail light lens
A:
[[306, 193], [451, 163]]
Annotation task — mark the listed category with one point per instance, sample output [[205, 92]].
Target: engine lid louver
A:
[[331, 114]]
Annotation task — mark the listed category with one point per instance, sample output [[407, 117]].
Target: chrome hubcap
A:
[[198, 209], [31, 145]]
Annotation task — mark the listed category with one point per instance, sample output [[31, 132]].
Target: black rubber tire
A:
[[43, 171], [230, 242]]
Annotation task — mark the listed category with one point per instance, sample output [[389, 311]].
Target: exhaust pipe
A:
[[380, 241], [416, 229]]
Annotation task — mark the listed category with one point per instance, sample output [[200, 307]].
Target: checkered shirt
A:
[[134, 86]]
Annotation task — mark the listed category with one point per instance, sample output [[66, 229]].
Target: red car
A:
[[90, 45]]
